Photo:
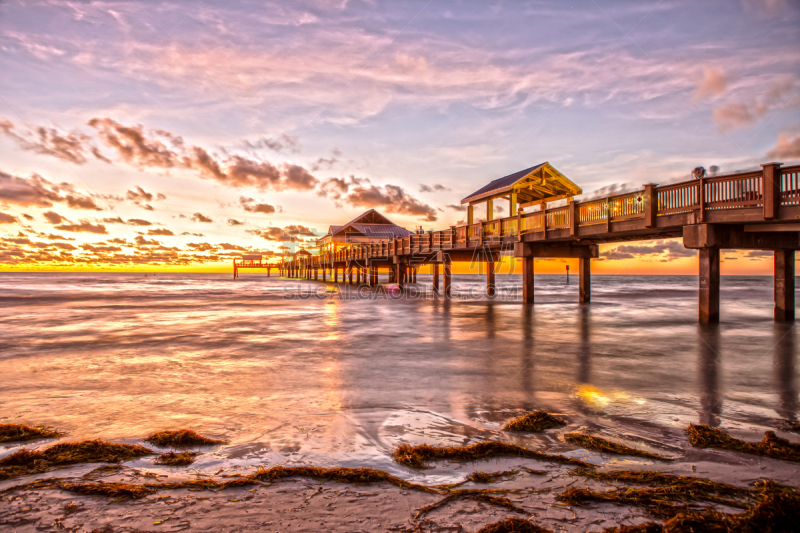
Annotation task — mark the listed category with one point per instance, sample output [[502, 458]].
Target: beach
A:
[[300, 373]]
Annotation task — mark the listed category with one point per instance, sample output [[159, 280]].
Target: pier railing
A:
[[734, 191]]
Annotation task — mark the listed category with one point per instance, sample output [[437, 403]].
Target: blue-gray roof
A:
[[502, 183]]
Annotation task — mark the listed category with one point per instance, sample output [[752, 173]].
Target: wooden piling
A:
[[491, 290], [584, 280], [447, 278], [784, 285], [436, 277], [527, 280], [709, 285]]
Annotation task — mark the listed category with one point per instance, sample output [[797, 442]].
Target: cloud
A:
[[193, 234], [36, 191], [288, 234], [787, 147], [234, 222], [436, 187], [668, 249], [227, 246], [164, 150], [454, 207], [282, 143], [84, 226], [731, 115], [140, 197], [7, 219], [71, 147], [53, 218], [131, 143], [392, 198], [141, 241], [199, 217], [160, 231], [251, 206], [139, 222], [713, 83], [359, 192]]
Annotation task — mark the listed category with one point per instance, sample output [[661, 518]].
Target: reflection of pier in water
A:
[[710, 361]]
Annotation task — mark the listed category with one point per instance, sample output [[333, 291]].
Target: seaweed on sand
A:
[[18, 432], [535, 421], [776, 512], [176, 459], [475, 495], [605, 446], [662, 502], [514, 525], [680, 503], [771, 445], [490, 477], [26, 462], [116, 491], [181, 438], [341, 475], [418, 456], [694, 487], [276, 473]]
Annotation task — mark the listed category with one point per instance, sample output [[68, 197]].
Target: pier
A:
[[758, 210]]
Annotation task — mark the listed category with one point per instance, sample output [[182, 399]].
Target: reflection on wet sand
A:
[[708, 348], [785, 352]]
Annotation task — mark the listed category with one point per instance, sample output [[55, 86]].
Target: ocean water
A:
[[299, 372]]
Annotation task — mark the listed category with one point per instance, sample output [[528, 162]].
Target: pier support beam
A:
[[527, 280], [491, 290], [350, 274], [709, 285], [585, 280], [373, 276], [436, 278], [784, 285], [324, 274], [400, 275], [414, 275], [447, 278]]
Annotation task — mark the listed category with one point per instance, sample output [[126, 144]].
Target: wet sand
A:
[[342, 381]]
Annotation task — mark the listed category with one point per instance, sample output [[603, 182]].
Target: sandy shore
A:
[[309, 505]]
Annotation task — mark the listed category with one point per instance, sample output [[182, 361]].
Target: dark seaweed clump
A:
[[777, 508], [418, 456], [693, 487], [775, 513], [475, 495], [359, 476], [704, 436], [116, 491], [18, 432], [514, 525], [605, 446], [535, 421], [490, 477], [26, 462], [176, 459], [180, 438]]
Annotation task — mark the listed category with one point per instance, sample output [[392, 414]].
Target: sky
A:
[[175, 136]]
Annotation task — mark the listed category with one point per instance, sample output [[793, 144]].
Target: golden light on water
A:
[[596, 398]]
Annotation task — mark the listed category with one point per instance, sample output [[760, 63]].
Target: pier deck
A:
[[757, 210]]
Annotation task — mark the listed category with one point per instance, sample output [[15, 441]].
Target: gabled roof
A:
[[539, 182]]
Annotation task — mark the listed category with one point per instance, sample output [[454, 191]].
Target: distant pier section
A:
[[758, 210]]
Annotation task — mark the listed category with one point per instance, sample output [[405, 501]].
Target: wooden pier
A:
[[253, 261], [757, 210]]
